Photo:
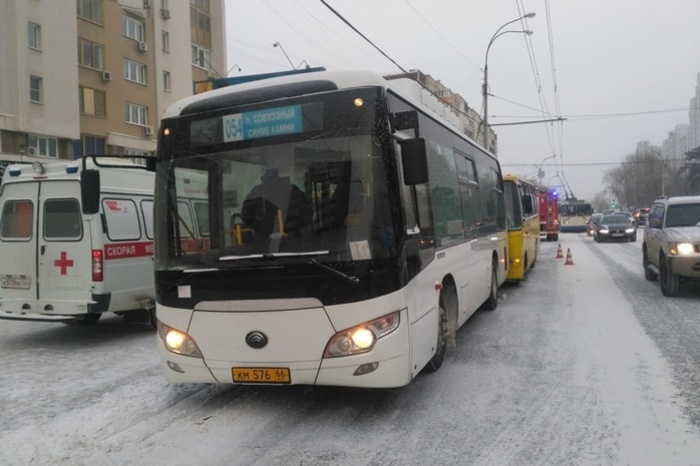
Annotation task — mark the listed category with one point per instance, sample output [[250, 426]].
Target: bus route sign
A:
[[263, 123]]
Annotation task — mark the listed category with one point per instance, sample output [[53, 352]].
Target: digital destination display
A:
[[263, 123]]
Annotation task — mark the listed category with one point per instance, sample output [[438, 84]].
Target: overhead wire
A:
[[349, 24], [455, 49]]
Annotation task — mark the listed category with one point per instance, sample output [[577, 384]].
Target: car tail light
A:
[[97, 271]]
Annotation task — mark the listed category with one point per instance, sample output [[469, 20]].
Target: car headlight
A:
[[629, 230], [604, 231], [681, 248], [361, 339], [178, 342]]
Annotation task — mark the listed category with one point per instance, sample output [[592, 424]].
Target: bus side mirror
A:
[[90, 191], [414, 160]]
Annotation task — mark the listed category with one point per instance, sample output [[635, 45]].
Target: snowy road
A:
[[585, 365]]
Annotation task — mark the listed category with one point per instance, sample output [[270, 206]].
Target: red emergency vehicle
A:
[[549, 214]]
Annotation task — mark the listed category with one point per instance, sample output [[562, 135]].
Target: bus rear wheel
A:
[[492, 301]]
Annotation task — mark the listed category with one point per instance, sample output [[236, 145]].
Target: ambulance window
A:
[[147, 211], [122, 219], [16, 221], [201, 211], [62, 220], [186, 222]]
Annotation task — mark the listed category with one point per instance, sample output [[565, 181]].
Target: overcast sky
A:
[[624, 70]]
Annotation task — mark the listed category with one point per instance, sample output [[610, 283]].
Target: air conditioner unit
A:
[[143, 47], [148, 130], [106, 75], [31, 151], [165, 13]]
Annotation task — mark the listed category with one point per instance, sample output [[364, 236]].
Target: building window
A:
[[136, 114], [93, 102], [34, 36], [35, 84], [132, 28], [201, 57], [43, 146], [137, 160], [166, 81], [200, 23], [88, 145], [134, 71], [90, 10], [165, 36], [90, 54]]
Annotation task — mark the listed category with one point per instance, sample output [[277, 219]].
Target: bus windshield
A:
[[306, 178]]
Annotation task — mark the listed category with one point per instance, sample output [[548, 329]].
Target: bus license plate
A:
[[261, 375], [20, 282]]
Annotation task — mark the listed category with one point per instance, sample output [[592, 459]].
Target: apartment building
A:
[[470, 122], [94, 76]]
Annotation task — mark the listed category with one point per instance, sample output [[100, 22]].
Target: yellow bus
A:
[[523, 224]]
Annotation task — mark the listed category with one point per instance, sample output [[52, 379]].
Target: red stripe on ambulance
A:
[[127, 250]]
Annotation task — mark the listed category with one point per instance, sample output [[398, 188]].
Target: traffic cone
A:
[[569, 259], [560, 254]]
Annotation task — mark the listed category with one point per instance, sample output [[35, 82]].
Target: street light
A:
[[233, 68], [540, 172], [485, 87], [277, 44]]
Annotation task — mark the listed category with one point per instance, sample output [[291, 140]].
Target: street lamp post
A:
[[485, 86], [540, 172]]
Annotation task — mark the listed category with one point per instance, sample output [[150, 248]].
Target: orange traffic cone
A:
[[560, 254], [569, 259]]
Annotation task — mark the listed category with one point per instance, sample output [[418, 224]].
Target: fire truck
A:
[[549, 214]]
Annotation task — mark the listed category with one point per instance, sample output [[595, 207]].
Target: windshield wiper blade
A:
[[273, 255], [338, 273]]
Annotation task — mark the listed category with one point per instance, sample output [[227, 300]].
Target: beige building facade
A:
[[470, 121], [94, 76]]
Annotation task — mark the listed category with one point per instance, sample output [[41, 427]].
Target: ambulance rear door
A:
[[64, 244], [18, 240]]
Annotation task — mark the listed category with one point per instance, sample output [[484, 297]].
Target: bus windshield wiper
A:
[[338, 273], [273, 255]]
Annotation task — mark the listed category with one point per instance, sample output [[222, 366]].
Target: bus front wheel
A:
[[438, 358]]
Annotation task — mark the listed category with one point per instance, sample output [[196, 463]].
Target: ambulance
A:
[[62, 265]]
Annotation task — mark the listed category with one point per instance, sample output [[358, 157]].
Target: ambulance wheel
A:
[[87, 320], [152, 318]]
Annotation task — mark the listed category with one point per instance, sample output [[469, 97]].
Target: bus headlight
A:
[[178, 342], [361, 339]]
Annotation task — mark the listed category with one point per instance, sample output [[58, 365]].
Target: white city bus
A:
[[351, 231]]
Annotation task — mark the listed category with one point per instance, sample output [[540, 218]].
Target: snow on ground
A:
[[561, 373]]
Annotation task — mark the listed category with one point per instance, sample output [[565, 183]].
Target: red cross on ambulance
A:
[[63, 263]]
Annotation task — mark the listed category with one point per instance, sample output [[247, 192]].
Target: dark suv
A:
[[671, 248]]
